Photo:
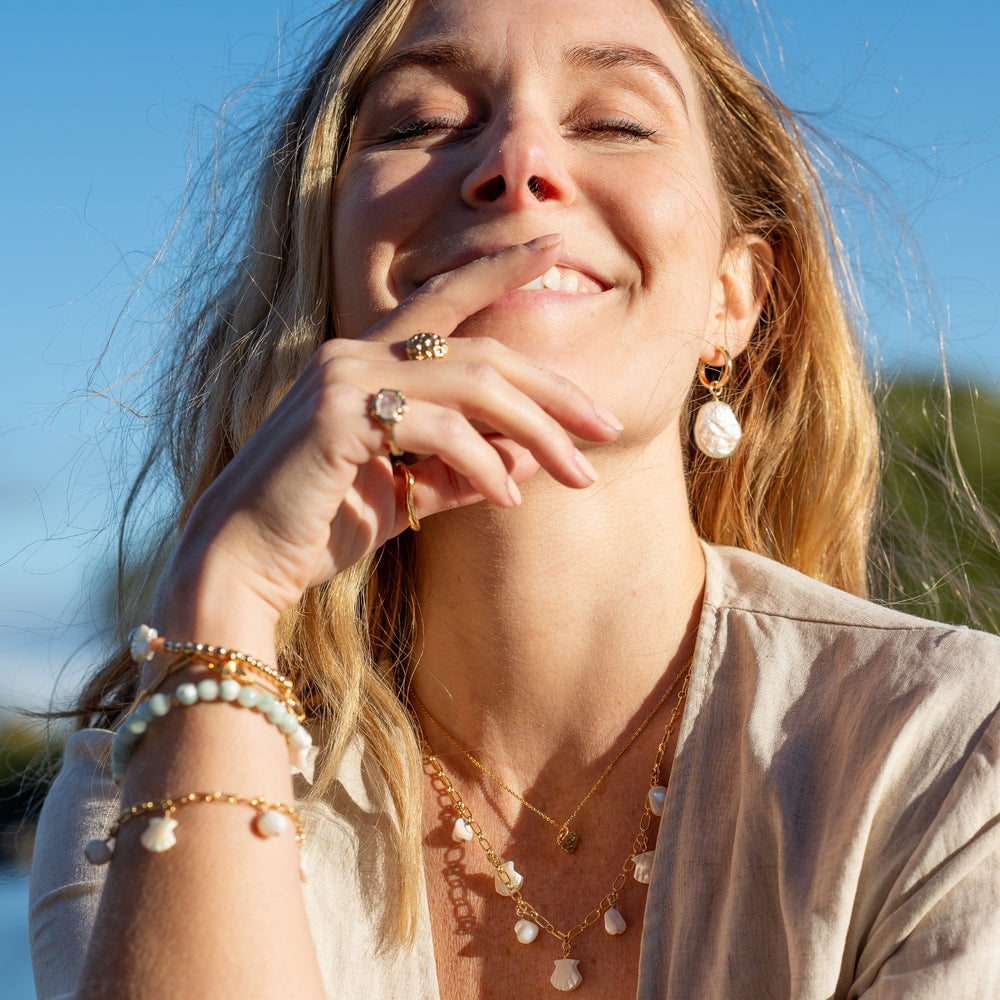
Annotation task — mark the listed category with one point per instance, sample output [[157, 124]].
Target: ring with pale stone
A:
[[387, 406]]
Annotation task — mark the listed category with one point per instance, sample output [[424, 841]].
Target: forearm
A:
[[222, 910]]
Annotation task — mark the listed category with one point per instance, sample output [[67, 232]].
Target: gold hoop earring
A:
[[717, 430]]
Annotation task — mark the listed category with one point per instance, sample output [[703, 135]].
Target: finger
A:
[[481, 398], [432, 429], [436, 488], [441, 303]]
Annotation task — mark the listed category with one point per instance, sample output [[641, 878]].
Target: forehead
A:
[[545, 32]]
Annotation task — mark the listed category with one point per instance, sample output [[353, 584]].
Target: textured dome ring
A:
[[426, 347]]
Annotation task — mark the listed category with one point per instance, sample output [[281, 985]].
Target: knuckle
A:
[[482, 375], [452, 426]]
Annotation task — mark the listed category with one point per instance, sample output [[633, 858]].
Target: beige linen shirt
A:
[[831, 829]]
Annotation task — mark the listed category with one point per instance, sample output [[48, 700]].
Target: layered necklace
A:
[[510, 882]]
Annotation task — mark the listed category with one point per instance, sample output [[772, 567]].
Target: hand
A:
[[313, 491]]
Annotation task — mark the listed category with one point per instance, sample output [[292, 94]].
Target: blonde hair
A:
[[801, 489]]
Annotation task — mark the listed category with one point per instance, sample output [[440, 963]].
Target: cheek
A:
[[374, 211]]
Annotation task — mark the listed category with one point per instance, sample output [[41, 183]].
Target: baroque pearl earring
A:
[[717, 430]]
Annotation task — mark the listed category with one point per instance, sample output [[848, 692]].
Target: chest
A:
[[477, 952]]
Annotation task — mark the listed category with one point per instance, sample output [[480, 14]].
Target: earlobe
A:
[[742, 288]]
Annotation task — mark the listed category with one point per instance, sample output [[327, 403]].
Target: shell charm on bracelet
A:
[[159, 834], [566, 976], [515, 877]]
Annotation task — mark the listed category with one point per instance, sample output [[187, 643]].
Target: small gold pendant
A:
[[567, 839]]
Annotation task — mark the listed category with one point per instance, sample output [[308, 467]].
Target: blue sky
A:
[[100, 103]]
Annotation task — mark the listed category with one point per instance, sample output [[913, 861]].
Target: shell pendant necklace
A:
[[509, 882], [566, 838]]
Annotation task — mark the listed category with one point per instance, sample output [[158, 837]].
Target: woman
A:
[[507, 242]]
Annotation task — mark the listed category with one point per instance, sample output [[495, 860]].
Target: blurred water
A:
[[15, 962]]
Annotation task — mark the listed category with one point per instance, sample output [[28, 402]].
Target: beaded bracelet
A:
[[271, 821], [145, 642], [229, 690]]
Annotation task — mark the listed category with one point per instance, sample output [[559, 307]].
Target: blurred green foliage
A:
[[941, 498]]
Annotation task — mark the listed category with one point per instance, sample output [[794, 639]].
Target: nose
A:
[[518, 168]]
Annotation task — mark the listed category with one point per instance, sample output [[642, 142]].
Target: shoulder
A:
[[774, 608]]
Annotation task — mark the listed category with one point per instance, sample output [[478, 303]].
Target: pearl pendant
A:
[[643, 870], [614, 922], [717, 431], [566, 976], [525, 931], [461, 832], [516, 879], [657, 799]]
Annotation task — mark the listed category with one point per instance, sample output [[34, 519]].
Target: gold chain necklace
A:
[[508, 881], [566, 838]]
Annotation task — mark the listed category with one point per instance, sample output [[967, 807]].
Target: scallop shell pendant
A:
[[159, 834], [614, 922], [717, 431], [566, 976]]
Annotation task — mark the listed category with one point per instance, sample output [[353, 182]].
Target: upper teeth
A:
[[558, 280]]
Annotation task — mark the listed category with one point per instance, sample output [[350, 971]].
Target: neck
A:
[[551, 629]]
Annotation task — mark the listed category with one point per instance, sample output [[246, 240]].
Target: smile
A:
[[563, 279]]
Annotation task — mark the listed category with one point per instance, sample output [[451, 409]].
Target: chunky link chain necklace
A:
[[566, 838], [509, 882]]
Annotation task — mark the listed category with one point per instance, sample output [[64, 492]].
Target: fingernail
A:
[[540, 243], [515, 493], [585, 467], [607, 418]]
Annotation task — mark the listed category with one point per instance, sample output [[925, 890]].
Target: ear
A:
[[740, 291]]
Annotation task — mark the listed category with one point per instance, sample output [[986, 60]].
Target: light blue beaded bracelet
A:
[[228, 690]]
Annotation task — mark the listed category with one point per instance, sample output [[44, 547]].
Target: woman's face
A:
[[494, 122]]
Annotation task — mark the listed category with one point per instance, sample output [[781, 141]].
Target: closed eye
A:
[[611, 128], [418, 127]]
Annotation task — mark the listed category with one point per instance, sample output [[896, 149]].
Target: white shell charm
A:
[[657, 798], [643, 870], [159, 835], [525, 931], [461, 832], [140, 643], [302, 753], [566, 976], [516, 879], [614, 922], [717, 431]]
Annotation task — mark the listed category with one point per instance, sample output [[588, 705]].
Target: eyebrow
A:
[[459, 57], [456, 57]]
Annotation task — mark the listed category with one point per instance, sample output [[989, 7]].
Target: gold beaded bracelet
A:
[[145, 642], [271, 821]]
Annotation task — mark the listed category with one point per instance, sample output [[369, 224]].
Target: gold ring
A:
[[426, 347], [411, 511], [387, 406]]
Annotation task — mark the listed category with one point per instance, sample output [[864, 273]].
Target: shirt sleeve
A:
[[65, 887], [938, 934]]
